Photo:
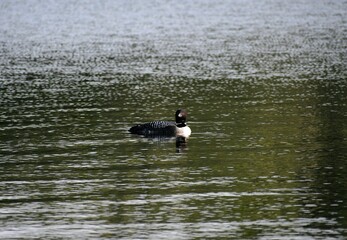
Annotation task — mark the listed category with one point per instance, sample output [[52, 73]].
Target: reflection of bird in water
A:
[[165, 129], [178, 128], [181, 143]]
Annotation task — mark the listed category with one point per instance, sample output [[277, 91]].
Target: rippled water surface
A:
[[265, 84]]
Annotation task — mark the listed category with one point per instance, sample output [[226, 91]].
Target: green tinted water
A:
[[266, 92]]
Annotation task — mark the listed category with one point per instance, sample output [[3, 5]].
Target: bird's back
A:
[[154, 128]]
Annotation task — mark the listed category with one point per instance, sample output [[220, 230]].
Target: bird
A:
[[179, 128]]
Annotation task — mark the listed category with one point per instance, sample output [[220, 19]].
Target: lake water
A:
[[265, 85]]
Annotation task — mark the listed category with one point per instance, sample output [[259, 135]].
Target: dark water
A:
[[265, 84]]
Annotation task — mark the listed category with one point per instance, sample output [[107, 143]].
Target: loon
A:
[[165, 128]]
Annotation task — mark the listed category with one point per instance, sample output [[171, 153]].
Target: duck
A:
[[179, 128]]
